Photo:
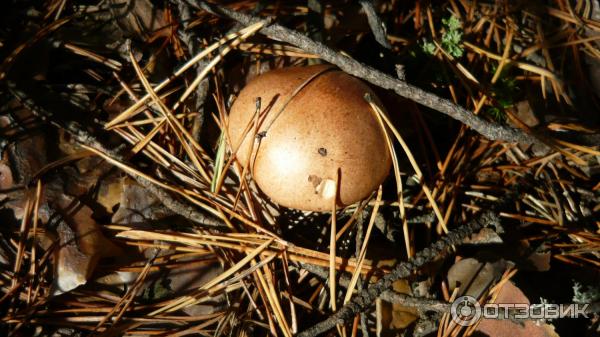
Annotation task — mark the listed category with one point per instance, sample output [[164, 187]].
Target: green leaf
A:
[[219, 162]]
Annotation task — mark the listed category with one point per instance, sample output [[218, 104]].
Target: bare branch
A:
[[377, 26], [423, 304]]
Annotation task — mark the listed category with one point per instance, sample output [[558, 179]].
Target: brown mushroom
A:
[[313, 124]]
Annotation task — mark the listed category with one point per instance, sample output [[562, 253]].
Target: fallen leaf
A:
[[395, 317], [138, 18], [474, 277], [483, 237], [136, 205], [524, 112], [110, 194], [502, 328], [6, 176], [82, 244]]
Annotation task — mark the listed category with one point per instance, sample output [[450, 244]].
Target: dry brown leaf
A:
[[474, 277], [82, 244], [524, 112], [136, 205], [501, 328], [6, 176], [395, 317], [139, 18], [110, 194], [483, 237]]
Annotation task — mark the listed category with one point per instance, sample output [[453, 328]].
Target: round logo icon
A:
[[465, 311]]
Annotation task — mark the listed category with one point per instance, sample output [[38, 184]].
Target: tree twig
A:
[[377, 26], [360, 221], [488, 129], [420, 303]]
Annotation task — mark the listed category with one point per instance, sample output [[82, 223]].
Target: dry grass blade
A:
[[134, 172], [34, 267], [413, 162], [275, 49], [132, 111], [505, 54], [181, 133], [18, 264], [251, 30], [245, 244], [187, 301], [363, 249], [123, 304], [332, 247], [267, 284], [397, 175], [581, 148], [148, 138], [522, 65], [9, 60], [113, 64], [61, 162]]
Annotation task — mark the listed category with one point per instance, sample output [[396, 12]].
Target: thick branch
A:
[[423, 304], [488, 129]]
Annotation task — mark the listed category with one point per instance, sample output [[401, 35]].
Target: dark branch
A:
[[423, 304]]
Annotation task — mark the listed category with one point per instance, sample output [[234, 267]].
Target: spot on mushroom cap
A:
[[313, 122]]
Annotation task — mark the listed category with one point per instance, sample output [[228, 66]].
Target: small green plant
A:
[[451, 38], [428, 47], [504, 91], [496, 113], [158, 289]]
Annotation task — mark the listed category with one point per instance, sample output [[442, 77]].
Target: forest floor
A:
[[125, 211]]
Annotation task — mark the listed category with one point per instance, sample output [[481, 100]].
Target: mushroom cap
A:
[[314, 124]]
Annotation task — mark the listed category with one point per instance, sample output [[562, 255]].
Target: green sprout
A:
[[496, 113], [452, 37], [428, 47], [504, 91], [157, 290], [219, 163], [451, 40]]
